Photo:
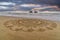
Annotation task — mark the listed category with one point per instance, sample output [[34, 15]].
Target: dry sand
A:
[[48, 33]]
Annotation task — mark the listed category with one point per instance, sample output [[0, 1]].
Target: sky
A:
[[28, 4]]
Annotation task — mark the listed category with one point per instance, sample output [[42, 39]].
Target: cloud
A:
[[7, 3], [47, 8], [4, 8], [30, 5]]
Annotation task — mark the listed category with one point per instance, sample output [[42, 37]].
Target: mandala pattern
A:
[[30, 25]]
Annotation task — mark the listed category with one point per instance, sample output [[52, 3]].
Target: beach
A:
[[7, 34]]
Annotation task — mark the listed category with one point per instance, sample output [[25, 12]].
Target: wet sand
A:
[[48, 34]]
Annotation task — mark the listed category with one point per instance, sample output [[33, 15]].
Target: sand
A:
[[12, 28]]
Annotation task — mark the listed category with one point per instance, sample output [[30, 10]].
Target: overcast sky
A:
[[9, 4]]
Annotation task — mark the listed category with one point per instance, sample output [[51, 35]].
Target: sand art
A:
[[29, 25]]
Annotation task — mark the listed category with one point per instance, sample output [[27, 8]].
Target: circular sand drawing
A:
[[30, 25]]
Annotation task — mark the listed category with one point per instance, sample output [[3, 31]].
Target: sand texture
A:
[[14, 28]]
